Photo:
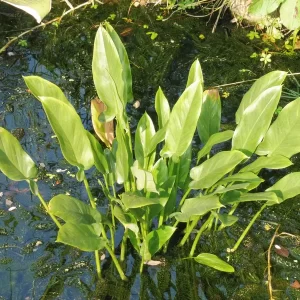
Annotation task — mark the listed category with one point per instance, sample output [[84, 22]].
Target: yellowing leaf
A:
[[104, 130]]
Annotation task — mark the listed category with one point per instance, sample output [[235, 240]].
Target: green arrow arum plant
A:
[[162, 188]]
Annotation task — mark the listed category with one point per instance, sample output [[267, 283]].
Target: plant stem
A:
[[116, 262], [47, 210], [123, 246], [183, 198], [98, 264], [200, 231], [248, 228], [88, 190], [189, 230]]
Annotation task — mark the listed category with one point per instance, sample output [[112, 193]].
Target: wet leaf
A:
[[295, 284], [282, 251], [214, 261]]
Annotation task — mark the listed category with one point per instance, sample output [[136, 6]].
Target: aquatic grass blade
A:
[[214, 261], [283, 136], [73, 140], [255, 121], [210, 116], [15, 163]]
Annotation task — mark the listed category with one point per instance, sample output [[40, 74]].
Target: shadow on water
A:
[[32, 265]]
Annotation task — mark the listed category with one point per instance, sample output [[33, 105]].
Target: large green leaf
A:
[[213, 169], [126, 71], [37, 8], [195, 74], [15, 163], [197, 207], [144, 179], [247, 197], [263, 7], [66, 124], [271, 79], [213, 261], [144, 134], [155, 240], [256, 120], [210, 116], [289, 14], [40, 87], [107, 74], [82, 236], [240, 186], [287, 187], [283, 137], [73, 210], [272, 162], [183, 121], [160, 172], [162, 108], [214, 139], [131, 200]]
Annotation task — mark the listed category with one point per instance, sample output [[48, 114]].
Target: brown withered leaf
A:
[[126, 31], [154, 263], [282, 251], [295, 284], [105, 131]]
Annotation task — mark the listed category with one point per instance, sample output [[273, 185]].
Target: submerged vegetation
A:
[[152, 179]]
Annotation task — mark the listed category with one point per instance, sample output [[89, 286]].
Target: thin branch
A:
[[57, 19], [270, 290]]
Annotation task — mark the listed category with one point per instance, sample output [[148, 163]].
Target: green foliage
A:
[[153, 180]]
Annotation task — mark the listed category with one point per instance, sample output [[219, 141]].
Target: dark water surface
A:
[[32, 265]]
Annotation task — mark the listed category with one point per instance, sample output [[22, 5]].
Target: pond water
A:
[[32, 265]]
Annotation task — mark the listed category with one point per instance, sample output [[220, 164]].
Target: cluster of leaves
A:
[[155, 164]]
